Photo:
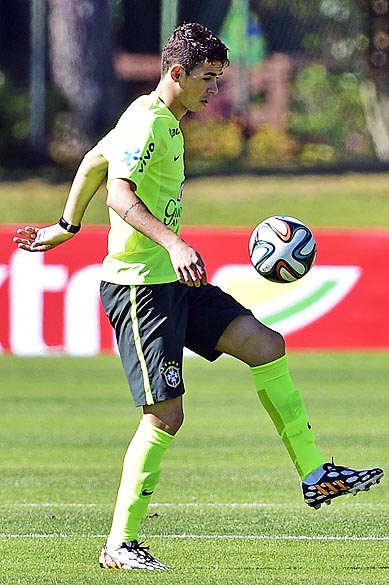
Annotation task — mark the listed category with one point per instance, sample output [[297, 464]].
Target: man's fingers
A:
[[26, 237], [194, 275], [184, 277], [27, 233], [29, 246], [200, 274], [24, 246]]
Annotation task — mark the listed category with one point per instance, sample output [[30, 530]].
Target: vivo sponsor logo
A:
[[146, 157], [134, 155]]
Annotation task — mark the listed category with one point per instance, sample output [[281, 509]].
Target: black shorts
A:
[[154, 323]]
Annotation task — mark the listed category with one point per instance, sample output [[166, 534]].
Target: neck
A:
[[166, 93]]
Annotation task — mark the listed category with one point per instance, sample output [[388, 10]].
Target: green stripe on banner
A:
[[306, 302]]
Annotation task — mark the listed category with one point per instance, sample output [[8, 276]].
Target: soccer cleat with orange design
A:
[[337, 481], [129, 555]]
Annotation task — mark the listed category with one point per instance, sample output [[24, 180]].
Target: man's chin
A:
[[198, 107]]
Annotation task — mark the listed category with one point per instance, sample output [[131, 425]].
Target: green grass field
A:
[[228, 509], [350, 200]]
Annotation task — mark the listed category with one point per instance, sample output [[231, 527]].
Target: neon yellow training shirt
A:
[[147, 147]]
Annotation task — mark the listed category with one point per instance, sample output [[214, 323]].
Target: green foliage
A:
[[270, 147], [326, 110], [326, 120], [211, 143], [326, 125], [312, 154], [13, 120]]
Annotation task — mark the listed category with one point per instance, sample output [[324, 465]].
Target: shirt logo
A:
[[176, 157], [171, 373], [173, 212], [130, 155], [146, 493], [174, 132], [133, 155]]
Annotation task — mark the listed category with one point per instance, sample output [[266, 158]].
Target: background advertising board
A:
[[50, 302]]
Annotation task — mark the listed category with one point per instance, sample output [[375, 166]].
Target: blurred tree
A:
[[14, 39], [211, 14], [287, 23], [349, 39], [375, 88], [137, 17], [345, 36], [80, 43]]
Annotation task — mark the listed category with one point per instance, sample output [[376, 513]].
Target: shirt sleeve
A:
[[132, 147]]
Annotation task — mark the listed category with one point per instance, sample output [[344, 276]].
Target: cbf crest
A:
[[171, 373]]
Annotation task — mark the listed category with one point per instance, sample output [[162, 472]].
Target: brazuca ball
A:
[[282, 249]]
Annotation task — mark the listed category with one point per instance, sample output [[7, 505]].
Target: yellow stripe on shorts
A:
[[138, 346]]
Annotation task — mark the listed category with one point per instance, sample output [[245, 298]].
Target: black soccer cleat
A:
[[337, 481]]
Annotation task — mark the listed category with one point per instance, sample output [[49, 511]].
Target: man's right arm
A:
[[89, 177], [186, 261]]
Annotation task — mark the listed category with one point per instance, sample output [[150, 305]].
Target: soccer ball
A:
[[282, 249]]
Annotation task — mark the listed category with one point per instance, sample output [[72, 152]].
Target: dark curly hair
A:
[[191, 44]]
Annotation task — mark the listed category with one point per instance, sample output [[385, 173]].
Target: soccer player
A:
[[155, 292]]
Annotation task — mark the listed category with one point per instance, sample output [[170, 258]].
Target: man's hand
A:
[[35, 239], [188, 264]]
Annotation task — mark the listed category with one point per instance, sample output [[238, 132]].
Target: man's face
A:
[[199, 86]]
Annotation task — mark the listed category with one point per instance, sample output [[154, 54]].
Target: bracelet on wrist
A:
[[69, 227]]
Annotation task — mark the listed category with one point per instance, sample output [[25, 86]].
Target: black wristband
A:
[[69, 227]]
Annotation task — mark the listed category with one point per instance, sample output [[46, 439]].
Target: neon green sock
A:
[[141, 472], [285, 407]]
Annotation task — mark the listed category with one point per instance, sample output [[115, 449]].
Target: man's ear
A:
[[175, 72]]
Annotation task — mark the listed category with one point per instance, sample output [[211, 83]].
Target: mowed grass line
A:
[[349, 200], [228, 508]]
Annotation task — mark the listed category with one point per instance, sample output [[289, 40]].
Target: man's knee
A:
[[167, 415], [251, 341], [277, 343], [264, 345]]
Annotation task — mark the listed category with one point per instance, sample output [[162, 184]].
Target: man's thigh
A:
[[211, 310], [150, 326]]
